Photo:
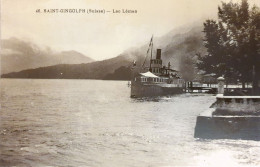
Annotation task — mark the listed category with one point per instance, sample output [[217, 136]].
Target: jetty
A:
[[197, 87], [230, 117]]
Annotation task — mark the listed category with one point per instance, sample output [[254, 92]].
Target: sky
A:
[[100, 36]]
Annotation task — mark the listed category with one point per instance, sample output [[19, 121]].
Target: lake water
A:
[[95, 123]]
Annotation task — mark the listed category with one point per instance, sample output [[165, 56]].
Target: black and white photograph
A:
[[130, 83]]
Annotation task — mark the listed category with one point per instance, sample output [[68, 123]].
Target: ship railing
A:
[[171, 85]]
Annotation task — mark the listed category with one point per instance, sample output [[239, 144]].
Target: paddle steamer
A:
[[155, 80]]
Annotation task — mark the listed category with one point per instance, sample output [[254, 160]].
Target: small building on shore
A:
[[209, 78]]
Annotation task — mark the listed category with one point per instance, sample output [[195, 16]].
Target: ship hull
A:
[[141, 90]]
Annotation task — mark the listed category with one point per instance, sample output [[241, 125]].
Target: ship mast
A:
[[150, 46], [150, 69]]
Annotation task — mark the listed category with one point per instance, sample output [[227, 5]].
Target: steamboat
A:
[[155, 80]]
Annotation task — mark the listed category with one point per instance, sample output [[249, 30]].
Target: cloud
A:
[[100, 35], [18, 54]]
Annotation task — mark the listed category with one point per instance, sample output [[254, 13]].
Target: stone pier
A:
[[231, 117]]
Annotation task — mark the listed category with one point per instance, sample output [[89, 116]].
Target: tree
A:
[[232, 43], [187, 68]]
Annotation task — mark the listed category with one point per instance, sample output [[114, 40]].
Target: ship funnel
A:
[[158, 54]]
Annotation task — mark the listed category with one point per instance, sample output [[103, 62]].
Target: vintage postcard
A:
[[130, 83]]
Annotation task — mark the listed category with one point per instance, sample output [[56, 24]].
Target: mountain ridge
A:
[[17, 55], [175, 49]]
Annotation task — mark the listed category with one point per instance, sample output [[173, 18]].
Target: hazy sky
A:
[[99, 36]]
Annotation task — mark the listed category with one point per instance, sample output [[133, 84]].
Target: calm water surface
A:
[[95, 123]]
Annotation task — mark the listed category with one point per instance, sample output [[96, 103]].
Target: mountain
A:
[[122, 73], [95, 70], [178, 47], [17, 55]]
